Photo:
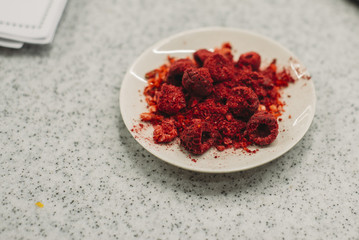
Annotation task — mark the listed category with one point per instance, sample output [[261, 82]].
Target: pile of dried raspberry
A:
[[214, 100]]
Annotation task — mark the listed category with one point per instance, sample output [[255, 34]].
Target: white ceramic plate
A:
[[300, 104]]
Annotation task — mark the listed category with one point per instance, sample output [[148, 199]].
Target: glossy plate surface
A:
[[300, 105]]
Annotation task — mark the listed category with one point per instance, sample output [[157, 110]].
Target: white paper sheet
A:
[[23, 12], [10, 44], [30, 21]]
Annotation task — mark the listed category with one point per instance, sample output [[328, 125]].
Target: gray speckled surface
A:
[[63, 142]]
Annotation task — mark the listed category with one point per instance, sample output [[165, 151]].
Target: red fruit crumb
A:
[[220, 148], [150, 74], [170, 99], [165, 132], [225, 51]]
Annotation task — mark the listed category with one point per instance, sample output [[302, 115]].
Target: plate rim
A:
[[207, 29]]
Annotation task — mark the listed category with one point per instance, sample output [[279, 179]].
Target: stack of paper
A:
[[29, 21]]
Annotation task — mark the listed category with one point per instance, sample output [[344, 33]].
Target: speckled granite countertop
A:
[[63, 141]]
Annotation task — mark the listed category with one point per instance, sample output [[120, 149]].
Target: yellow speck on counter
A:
[[39, 204]]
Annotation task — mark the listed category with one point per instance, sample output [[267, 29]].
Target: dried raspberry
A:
[[243, 103], [258, 82], [220, 68], [262, 128], [170, 99], [165, 132], [198, 81], [176, 71], [249, 79], [198, 137], [252, 59], [263, 88], [201, 55]]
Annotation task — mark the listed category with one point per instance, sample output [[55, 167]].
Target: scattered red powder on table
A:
[[213, 100]]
